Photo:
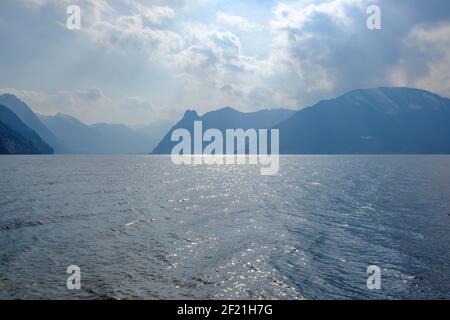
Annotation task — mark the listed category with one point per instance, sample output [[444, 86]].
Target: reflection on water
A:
[[141, 227]]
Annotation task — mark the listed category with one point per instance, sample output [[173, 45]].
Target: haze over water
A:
[[141, 227]]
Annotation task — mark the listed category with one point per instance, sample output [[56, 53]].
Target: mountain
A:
[[373, 121], [100, 138], [17, 138], [367, 121], [77, 137], [120, 139], [27, 116], [156, 130], [222, 119], [13, 143]]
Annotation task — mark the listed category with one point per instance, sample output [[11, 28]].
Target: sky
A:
[[139, 62]]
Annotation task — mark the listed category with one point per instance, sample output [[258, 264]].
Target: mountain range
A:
[[101, 138], [222, 119], [370, 121], [68, 135], [366, 121]]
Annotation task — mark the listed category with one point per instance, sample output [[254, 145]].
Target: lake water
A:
[[141, 227]]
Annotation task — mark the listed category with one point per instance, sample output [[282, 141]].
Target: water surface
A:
[[141, 227]]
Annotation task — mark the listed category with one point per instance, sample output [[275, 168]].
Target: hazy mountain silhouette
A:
[[156, 130], [27, 116], [100, 138], [118, 138], [17, 138], [77, 137], [367, 121], [222, 119], [372, 121]]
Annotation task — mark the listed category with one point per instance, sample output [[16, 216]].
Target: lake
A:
[[142, 227]]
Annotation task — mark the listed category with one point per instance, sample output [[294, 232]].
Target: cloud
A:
[[431, 47], [329, 49], [170, 55], [153, 14], [92, 106], [234, 21], [91, 95], [131, 32]]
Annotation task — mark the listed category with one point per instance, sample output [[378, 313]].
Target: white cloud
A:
[[234, 21], [286, 16], [432, 45], [207, 54], [154, 14], [92, 106]]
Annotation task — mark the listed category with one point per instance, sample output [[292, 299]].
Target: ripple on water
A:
[[140, 227]]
